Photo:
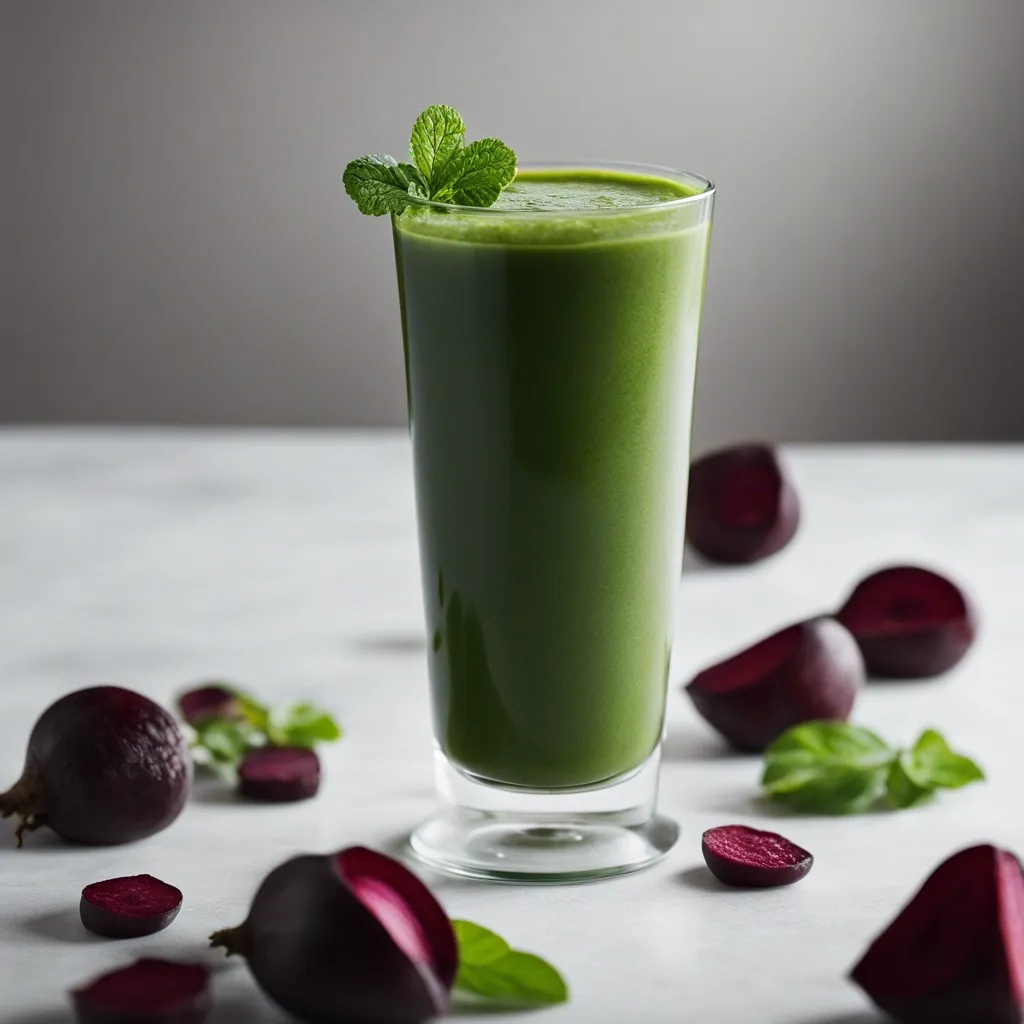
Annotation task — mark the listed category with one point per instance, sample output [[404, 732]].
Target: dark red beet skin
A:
[[351, 936], [806, 672], [279, 774], [206, 702], [742, 506], [104, 766], [126, 908], [147, 992], [955, 953], [910, 623], [748, 857]]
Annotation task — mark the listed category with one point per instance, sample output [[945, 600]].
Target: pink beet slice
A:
[[147, 992], [910, 622], [211, 701], [126, 908], [279, 774], [955, 953], [354, 936], [742, 856], [806, 672], [742, 506]]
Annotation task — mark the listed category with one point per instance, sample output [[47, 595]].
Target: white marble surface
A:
[[288, 562]]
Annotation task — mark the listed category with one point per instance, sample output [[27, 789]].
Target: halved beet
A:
[[738, 855], [279, 774], [742, 506], [147, 992], [126, 908], [806, 672], [353, 936], [955, 953], [210, 701], [910, 622]]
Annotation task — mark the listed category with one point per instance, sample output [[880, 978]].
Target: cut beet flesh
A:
[[279, 774], [910, 622], [807, 672], [738, 855], [955, 953], [206, 702], [354, 936], [148, 992], [125, 908], [742, 506], [104, 765]]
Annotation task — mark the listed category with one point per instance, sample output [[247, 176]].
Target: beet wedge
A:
[[808, 671], [909, 622], [742, 506], [955, 953]]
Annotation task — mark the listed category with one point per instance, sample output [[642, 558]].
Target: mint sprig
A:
[[838, 768], [490, 968], [220, 742], [443, 168]]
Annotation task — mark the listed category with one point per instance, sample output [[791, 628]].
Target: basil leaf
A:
[[838, 742], [515, 978], [437, 135], [904, 788], [478, 945], [301, 725], [935, 765]]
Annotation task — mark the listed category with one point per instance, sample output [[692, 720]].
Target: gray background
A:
[[175, 245]]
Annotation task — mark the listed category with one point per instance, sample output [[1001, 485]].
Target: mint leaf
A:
[[220, 743], [476, 175], [934, 764], [255, 713], [437, 135], [302, 725], [379, 184], [490, 968], [478, 945]]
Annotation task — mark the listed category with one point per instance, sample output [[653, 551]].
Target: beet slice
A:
[[806, 672], [353, 936], [211, 701], [955, 953], [104, 765], [910, 622], [279, 774], [742, 856], [148, 992], [742, 506], [126, 908]]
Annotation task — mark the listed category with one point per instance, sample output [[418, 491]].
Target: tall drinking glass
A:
[[551, 348]]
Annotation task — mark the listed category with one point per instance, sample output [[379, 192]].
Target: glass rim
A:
[[688, 178]]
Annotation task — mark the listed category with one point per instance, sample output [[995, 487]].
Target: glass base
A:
[[545, 836]]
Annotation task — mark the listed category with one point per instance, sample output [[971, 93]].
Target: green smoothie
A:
[[550, 346]]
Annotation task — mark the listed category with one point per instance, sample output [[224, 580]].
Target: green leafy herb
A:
[[220, 742], [838, 768], [490, 968], [444, 168]]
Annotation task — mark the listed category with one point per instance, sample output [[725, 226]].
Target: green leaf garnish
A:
[[490, 968], [838, 768], [220, 743], [444, 168]]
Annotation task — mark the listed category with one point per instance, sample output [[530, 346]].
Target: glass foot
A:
[[553, 837]]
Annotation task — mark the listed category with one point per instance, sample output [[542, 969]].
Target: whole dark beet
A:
[[955, 953], [148, 992], [910, 622], [742, 506], [349, 936], [104, 766], [809, 671]]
